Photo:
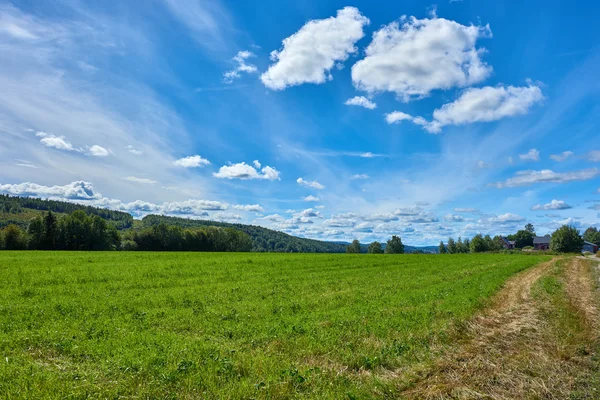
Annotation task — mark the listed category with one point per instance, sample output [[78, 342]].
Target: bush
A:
[[598, 253]]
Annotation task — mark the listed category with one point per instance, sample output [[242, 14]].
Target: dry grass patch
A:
[[535, 341]]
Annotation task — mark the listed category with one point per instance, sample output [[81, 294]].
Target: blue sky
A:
[[323, 119]]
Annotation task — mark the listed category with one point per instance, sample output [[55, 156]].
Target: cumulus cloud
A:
[[421, 55], [309, 213], [249, 207], [191, 162], [140, 180], [465, 210], [311, 198], [97, 151], [55, 142], [396, 117], [245, 172], [361, 101], [553, 205], [531, 155], [530, 177], [507, 218], [359, 176], [485, 104], [562, 156], [240, 58], [312, 184], [61, 143], [453, 218], [308, 55], [79, 190]]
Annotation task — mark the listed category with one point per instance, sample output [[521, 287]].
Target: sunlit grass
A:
[[208, 325]]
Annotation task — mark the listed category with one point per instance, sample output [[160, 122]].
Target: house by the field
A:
[[508, 244], [591, 247], [541, 242]]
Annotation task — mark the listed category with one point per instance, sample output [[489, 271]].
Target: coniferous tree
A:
[[452, 248], [442, 248]]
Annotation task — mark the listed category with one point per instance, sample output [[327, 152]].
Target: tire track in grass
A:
[[516, 349]]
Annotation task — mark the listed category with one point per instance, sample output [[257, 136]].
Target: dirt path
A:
[[509, 352]]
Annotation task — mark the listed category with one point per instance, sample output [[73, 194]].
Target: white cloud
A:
[[485, 104], [420, 56], [308, 55], [249, 207], [465, 210], [309, 213], [97, 151], [531, 155], [361, 101], [397, 116], [191, 162], [78, 190], [245, 172], [453, 218], [240, 58], [507, 218], [133, 150], [562, 156], [140, 180], [55, 142], [313, 184], [311, 198], [256, 163], [594, 156], [529, 177], [482, 164], [553, 205], [359, 176]]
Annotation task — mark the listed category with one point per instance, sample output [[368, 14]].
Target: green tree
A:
[[394, 246], [477, 245], [353, 248], [13, 238], [452, 249], [466, 246], [442, 248], [529, 228], [522, 238], [498, 243], [592, 235], [375, 248], [36, 233], [49, 236], [566, 239]]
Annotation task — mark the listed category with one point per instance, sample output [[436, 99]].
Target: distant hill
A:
[[263, 239], [21, 210], [407, 249]]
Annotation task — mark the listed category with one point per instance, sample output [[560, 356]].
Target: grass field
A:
[[207, 325]]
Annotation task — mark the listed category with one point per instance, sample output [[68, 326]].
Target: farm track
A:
[[511, 350]]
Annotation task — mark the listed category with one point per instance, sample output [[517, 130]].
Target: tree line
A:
[[79, 231], [566, 239], [393, 246]]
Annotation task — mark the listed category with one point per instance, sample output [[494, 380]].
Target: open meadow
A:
[[232, 325]]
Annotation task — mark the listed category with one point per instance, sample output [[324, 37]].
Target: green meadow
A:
[[232, 325]]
